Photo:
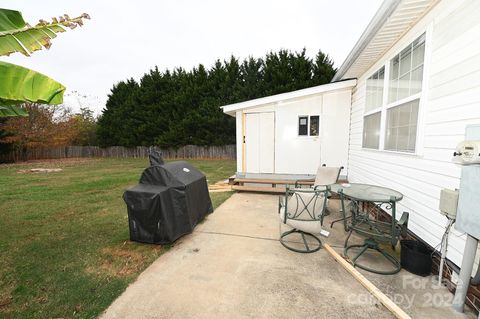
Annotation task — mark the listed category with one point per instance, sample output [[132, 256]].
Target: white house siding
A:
[[450, 101]]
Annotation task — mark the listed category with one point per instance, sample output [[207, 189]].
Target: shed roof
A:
[[325, 88], [392, 20]]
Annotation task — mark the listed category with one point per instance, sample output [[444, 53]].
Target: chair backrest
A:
[[327, 175], [305, 205]]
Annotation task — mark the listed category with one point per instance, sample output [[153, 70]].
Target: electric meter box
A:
[[468, 152], [468, 214]]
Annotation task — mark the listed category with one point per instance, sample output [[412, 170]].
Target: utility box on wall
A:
[[468, 217]]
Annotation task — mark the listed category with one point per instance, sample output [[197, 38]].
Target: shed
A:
[[289, 135]]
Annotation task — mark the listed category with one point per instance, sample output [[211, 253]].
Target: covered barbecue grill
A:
[[168, 202]]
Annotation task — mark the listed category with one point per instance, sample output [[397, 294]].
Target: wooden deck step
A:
[[270, 181], [259, 189]]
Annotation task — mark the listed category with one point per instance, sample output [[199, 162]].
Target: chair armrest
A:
[[303, 180]]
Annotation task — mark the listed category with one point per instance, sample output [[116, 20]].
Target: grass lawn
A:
[[64, 242]]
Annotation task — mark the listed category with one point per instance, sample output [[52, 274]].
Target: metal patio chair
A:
[[365, 220], [325, 176], [302, 209]]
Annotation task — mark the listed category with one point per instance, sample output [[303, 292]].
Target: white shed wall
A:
[[296, 154], [450, 101], [335, 132]]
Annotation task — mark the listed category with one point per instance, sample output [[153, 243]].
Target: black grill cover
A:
[[155, 157], [167, 203]]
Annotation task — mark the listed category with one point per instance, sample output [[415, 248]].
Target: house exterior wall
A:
[[296, 154], [450, 100]]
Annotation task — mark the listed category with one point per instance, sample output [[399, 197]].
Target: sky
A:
[[126, 39]]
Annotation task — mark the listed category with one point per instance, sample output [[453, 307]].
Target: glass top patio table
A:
[[367, 193]]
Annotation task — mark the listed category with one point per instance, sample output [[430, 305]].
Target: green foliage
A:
[[18, 36], [176, 108], [19, 84], [84, 126]]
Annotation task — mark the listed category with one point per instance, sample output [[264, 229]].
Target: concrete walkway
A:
[[233, 266]]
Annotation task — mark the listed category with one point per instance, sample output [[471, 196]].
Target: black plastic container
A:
[[416, 257]]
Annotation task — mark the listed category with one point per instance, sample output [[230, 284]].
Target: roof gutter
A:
[[383, 13]]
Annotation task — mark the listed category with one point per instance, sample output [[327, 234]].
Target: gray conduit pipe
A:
[[465, 273]]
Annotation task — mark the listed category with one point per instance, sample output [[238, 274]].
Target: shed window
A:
[[303, 125], [314, 125], [308, 125]]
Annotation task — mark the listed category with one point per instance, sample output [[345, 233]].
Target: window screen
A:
[[303, 125]]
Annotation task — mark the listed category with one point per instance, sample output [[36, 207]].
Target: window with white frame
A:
[[373, 101], [404, 86], [374, 97], [303, 125], [401, 128], [406, 71], [371, 130], [308, 125]]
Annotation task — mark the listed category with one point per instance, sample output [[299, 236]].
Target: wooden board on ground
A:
[[387, 302], [271, 181], [259, 189]]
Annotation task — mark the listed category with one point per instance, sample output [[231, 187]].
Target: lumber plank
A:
[[259, 189], [271, 181], [387, 302]]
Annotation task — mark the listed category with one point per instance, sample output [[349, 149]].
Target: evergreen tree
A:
[[175, 108]]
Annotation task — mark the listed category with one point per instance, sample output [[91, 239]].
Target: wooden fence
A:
[[187, 152]]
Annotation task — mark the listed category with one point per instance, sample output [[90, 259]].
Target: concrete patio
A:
[[233, 266]]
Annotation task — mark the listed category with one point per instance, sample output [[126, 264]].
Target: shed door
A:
[[259, 142]]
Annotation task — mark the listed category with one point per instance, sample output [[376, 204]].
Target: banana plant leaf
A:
[[18, 36], [19, 85], [12, 110]]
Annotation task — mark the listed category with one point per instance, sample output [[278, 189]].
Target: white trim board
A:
[[325, 88]]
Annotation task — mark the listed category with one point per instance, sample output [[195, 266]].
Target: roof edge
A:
[[230, 109], [380, 17]]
